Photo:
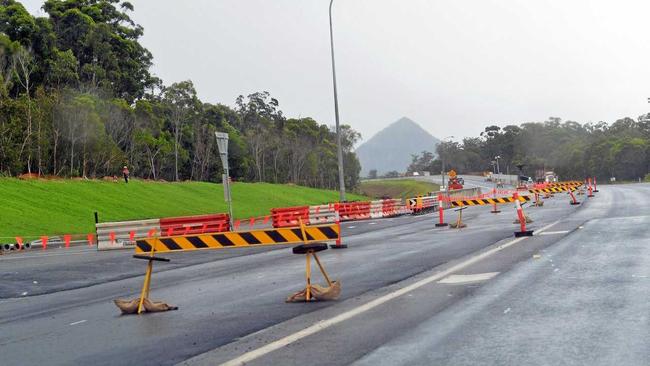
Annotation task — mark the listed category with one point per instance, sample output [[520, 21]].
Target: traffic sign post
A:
[[222, 144]]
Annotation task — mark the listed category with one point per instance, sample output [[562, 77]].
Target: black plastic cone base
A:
[[595, 191], [495, 211], [591, 195], [441, 225], [574, 203], [339, 246], [519, 234]]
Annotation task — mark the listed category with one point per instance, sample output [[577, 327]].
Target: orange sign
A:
[[452, 174]]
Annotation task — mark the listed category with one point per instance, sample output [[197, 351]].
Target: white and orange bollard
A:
[[494, 205], [573, 198], [590, 191], [595, 186], [442, 222], [522, 218]]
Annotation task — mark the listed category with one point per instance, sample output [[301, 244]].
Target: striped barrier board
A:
[[552, 190], [238, 239], [564, 184], [487, 201]]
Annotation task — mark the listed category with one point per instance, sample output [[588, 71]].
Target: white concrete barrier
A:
[[377, 209], [121, 233], [322, 214]]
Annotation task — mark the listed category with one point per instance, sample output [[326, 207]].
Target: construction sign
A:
[[239, 239], [487, 201]]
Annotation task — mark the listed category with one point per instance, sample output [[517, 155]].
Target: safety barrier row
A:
[[122, 234], [322, 214], [186, 225], [354, 210], [289, 216]]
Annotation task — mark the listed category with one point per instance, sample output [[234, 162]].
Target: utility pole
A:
[[339, 150]]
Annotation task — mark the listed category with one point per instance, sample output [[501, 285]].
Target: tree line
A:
[[77, 99], [573, 150]]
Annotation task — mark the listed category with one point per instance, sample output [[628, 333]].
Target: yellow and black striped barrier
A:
[[487, 201], [556, 189], [238, 239], [565, 184]]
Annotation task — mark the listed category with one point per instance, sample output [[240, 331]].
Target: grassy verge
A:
[[38, 207], [396, 188]]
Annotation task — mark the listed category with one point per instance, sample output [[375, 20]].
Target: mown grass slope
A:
[[38, 207], [396, 188]]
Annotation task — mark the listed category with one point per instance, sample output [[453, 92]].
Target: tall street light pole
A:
[[336, 113]]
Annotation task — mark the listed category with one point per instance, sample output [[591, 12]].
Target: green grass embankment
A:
[[40, 207], [396, 188]]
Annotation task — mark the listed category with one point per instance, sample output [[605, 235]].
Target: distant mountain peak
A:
[[391, 148]]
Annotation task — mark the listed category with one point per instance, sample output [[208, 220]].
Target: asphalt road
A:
[[56, 306]]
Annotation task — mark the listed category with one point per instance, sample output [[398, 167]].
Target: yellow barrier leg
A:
[[308, 272], [327, 278], [302, 231], [145, 287]]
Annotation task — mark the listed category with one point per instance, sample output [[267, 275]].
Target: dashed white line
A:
[[460, 279], [79, 322], [555, 232], [324, 324]]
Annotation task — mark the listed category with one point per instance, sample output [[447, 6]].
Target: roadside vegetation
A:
[[572, 150], [31, 208], [396, 188], [84, 103]]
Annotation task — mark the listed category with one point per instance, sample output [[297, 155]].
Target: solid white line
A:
[[13, 256], [324, 324], [79, 322], [555, 232]]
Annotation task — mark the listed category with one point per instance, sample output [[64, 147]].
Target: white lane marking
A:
[[324, 324], [11, 257], [556, 232], [457, 279], [79, 322], [372, 223], [506, 311], [351, 227]]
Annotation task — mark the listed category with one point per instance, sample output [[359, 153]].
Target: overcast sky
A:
[[453, 66]]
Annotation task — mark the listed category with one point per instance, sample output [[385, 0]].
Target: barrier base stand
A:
[[442, 224], [574, 203], [519, 234], [338, 246], [595, 191], [313, 292], [591, 195], [495, 211]]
